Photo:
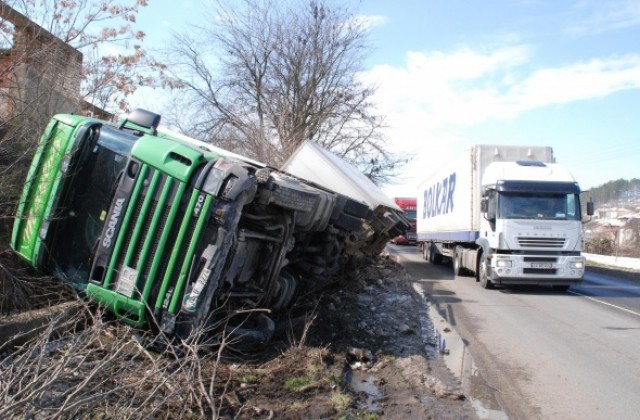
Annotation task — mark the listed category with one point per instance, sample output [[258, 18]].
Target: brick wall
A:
[[39, 70]]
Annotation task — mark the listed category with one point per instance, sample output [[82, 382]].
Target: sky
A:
[[450, 74]]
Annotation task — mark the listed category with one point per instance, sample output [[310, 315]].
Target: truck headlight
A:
[[66, 162], [44, 229], [214, 181], [578, 265], [503, 263]]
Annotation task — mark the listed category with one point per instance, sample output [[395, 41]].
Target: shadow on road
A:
[[529, 290]]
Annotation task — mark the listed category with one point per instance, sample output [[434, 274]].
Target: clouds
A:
[[436, 99], [449, 88], [369, 22], [593, 79], [466, 87], [603, 16]]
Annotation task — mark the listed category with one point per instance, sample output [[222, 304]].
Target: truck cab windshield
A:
[[552, 206], [411, 214], [87, 200]]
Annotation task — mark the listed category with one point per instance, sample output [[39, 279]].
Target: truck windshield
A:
[[411, 214], [555, 206], [87, 200]]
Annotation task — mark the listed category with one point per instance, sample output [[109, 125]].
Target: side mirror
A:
[[590, 208], [143, 118], [491, 213], [488, 208]]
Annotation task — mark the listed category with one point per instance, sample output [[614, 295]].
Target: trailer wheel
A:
[[457, 263], [434, 257], [482, 274]]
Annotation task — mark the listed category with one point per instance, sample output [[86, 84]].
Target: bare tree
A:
[[263, 76]]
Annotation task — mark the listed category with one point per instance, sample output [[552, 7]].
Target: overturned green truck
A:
[[174, 234]]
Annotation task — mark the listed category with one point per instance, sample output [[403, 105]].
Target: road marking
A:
[[605, 303], [604, 286]]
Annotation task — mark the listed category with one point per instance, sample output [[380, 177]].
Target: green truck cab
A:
[[170, 232]]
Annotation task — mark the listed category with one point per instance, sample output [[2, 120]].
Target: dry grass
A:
[[22, 289], [105, 370], [85, 364]]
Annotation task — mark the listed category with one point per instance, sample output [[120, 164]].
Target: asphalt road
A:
[[544, 354]]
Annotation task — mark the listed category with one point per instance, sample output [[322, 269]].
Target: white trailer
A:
[[320, 167], [508, 214]]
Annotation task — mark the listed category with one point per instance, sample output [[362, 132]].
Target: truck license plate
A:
[[541, 265]]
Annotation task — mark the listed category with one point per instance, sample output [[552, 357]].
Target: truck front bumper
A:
[[536, 269]]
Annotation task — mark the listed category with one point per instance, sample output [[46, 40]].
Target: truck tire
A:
[[482, 274], [457, 263], [253, 334], [435, 258]]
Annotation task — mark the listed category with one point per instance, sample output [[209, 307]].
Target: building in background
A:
[[39, 73]]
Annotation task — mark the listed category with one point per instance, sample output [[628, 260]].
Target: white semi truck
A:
[[508, 214]]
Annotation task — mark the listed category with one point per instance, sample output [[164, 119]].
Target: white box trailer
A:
[[466, 214], [323, 168]]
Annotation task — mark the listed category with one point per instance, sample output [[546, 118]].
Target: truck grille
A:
[[537, 242], [157, 240]]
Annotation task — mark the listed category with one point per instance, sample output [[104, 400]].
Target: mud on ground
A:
[[368, 353]]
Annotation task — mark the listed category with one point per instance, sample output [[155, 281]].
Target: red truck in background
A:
[[408, 205]]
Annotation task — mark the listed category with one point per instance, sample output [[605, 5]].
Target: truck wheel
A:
[[434, 257], [457, 266], [253, 333], [482, 274]]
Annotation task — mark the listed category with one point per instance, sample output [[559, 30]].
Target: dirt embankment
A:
[[362, 354]]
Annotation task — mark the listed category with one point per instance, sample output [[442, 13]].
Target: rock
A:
[[405, 329], [358, 357]]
